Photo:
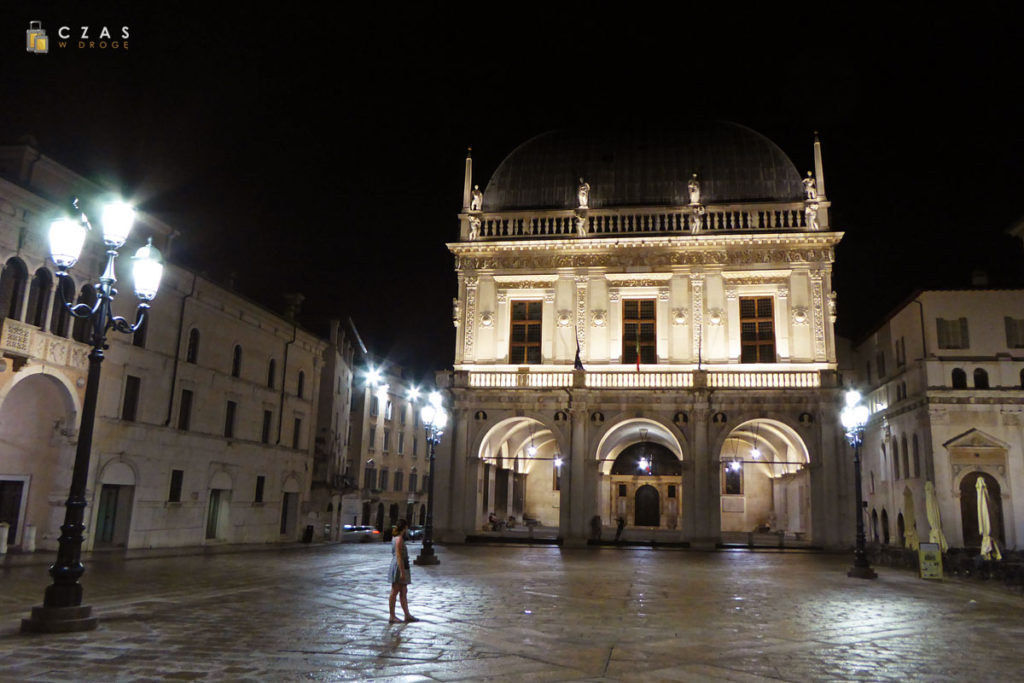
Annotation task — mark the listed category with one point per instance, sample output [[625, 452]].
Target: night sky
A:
[[321, 151]]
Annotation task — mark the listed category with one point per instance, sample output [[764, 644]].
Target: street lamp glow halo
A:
[[118, 218], [67, 237], [147, 271]]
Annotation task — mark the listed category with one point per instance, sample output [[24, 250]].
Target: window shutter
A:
[[965, 340], [940, 331]]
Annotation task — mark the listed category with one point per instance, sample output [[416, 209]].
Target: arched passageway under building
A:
[[765, 482], [37, 421], [641, 476], [520, 479]]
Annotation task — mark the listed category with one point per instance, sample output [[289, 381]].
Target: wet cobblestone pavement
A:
[[514, 613]]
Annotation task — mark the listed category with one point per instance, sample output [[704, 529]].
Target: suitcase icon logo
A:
[[35, 38]]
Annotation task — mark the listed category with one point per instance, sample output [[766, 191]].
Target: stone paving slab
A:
[[514, 614]]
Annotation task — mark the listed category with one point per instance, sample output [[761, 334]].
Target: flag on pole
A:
[[578, 363], [638, 348]]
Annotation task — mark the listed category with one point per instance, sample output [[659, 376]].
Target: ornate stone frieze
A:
[[538, 257], [663, 294], [782, 292], [731, 292], [471, 283], [613, 295], [549, 297], [502, 296]]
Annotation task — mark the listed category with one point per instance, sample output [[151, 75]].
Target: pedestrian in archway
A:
[[398, 574], [620, 523]]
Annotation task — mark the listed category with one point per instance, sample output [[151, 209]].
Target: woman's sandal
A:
[[409, 619], [393, 620]]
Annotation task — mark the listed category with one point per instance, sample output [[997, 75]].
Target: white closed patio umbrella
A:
[[989, 547], [909, 520], [931, 507]]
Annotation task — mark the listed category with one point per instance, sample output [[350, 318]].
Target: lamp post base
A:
[[857, 572], [426, 556], [59, 620]]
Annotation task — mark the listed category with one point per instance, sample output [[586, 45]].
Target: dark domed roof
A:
[[643, 167]]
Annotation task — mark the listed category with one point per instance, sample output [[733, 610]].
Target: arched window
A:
[[192, 353], [60, 317], [959, 379], [895, 460], [980, 379], [80, 330], [271, 372], [302, 384], [12, 288], [39, 298], [906, 457], [236, 362], [917, 457]]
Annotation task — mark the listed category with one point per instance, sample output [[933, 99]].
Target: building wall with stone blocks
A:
[[944, 379], [205, 425]]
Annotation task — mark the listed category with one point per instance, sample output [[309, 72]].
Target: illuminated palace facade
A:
[[645, 330]]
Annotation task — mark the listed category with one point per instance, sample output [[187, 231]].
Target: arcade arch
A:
[[35, 456], [765, 483], [520, 476], [640, 466]]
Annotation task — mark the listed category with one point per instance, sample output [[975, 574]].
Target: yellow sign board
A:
[[930, 560]]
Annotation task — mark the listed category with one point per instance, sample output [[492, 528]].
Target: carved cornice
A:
[[650, 253]]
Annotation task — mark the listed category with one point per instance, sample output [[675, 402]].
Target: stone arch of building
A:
[[761, 426], [765, 480], [1001, 502], [70, 400], [522, 459], [120, 471], [37, 420], [625, 430]]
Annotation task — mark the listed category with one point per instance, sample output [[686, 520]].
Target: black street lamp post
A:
[[434, 420], [62, 610], [854, 416]]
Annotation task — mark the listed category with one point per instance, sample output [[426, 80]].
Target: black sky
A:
[[321, 150]]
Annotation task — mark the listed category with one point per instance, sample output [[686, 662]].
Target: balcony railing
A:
[[21, 340], [680, 220], [629, 378]]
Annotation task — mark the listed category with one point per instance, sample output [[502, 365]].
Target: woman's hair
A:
[[401, 526]]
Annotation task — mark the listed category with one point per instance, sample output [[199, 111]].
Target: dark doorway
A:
[[648, 507], [380, 516], [900, 530], [112, 515], [10, 506], [366, 513], [885, 527], [501, 493], [213, 514], [969, 509]]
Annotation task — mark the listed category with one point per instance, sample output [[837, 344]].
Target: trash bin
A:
[[4, 530], [29, 542], [307, 535]]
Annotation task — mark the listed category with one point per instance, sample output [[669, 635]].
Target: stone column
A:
[[575, 502]]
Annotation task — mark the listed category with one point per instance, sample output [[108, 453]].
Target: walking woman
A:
[[398, 574]]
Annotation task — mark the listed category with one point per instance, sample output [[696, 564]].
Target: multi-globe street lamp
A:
[[854, 417], [62, 609], [434, 420]]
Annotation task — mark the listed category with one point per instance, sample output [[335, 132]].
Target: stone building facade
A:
[[206, 417], [944, 379], [387, 456], [645, 330]]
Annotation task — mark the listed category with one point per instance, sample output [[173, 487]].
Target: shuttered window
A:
[[757, 330], [524, 338], [1014, 332], [952, 333], [638, 331]]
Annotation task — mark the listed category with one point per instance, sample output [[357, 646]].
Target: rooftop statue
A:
[[697, 219], [474, 228], [694, 187], [581, 226], [811, 215], [810, 187], [583, 194], [476, 201]]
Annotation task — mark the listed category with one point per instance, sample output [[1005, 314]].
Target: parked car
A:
[[359, 534], [415, 533]]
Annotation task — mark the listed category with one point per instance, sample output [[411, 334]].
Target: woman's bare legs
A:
[[403, 594]]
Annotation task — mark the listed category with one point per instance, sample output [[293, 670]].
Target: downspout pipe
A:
[[284, 383], [177, 351]]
